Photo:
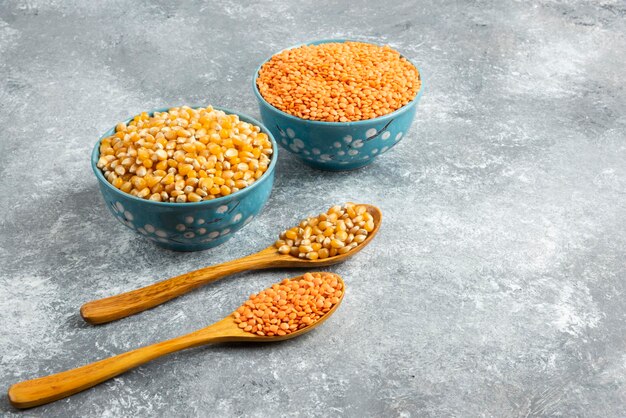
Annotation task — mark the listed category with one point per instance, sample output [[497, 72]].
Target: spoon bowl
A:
[[47, 389], [125, 304]]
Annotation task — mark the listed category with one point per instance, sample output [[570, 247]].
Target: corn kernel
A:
[[118, 182], [193, 197]]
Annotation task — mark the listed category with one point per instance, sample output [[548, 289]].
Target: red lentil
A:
[[338, 82], [290, 305]]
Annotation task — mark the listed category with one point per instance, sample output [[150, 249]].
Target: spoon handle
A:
[[47, 389], [129, 303]]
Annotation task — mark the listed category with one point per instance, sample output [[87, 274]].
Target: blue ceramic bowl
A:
[[336, 146], [188, 226]]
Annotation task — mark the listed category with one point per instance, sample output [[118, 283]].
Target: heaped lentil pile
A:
[[291, 305], [338, 82], [339, 230], [184, 155]]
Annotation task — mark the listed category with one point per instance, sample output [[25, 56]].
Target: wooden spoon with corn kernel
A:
[[48, 389], [125, 304]]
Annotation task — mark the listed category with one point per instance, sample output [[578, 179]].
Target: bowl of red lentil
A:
[[337, 104], [186, 178]]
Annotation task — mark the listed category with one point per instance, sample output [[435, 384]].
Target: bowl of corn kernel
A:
[[337, 104], [186, 178]]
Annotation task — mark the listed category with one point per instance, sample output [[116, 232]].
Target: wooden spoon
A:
[[125, 304], [47, 389]]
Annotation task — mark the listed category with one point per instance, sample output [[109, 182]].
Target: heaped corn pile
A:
[[337, 231], [184, 155]]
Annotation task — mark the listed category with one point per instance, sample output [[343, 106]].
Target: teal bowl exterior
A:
[[336, 146], [188, 226]]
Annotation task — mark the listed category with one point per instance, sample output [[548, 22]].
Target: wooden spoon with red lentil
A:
[[326, 239], [285, 310]]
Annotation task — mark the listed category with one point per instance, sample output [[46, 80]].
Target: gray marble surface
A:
[[496, 286]]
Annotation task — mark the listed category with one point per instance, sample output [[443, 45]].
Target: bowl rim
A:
[[393, 114], [95, 155]]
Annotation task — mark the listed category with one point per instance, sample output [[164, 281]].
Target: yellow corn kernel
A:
[[183, 169], [193, 197], [188, 147], [162, 165], [161, 154], [344, 250], [120, 170], [118, 182], [142, 154], [168, 179], [335, 243], [206, 183], [126, 187], [139, 183], [341, 235]]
